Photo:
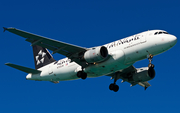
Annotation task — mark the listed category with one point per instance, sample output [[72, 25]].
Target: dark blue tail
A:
[[42, 56]]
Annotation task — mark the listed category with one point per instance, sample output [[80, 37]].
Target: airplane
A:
[[114, 59]]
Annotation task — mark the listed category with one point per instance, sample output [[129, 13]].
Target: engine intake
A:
[[97, 54], [144, 74]]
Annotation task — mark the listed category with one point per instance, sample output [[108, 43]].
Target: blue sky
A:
[[87, 23]]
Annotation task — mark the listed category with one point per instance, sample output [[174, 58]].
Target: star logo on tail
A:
[[40, 57]]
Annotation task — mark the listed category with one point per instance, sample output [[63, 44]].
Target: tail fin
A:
[[42, 56]]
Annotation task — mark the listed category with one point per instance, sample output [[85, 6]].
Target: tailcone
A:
[[29, 77]]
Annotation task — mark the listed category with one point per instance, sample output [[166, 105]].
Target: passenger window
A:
[[69, 60], [55, 62]]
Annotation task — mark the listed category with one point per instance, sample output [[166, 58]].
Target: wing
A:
[[71, 51], [125, 74]]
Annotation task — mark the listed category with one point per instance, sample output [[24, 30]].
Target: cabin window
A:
[[55, 62]]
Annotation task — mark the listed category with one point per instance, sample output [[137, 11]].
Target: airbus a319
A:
[[114, 59]]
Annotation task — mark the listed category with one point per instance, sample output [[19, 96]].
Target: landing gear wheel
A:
[[151, 66], [82, 75], [79, 73], [114, 87], [111, 86]]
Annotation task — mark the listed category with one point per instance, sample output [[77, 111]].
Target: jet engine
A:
[[144, 74], [97, 54]]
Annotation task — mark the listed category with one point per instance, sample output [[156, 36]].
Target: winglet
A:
[[4, 29]]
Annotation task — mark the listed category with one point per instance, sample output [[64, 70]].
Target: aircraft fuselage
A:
[[122, 54]]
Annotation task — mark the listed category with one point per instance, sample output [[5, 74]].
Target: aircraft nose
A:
[[172, 40]]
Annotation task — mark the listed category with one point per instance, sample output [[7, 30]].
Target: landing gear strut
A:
[[113, 86], [151, 66]]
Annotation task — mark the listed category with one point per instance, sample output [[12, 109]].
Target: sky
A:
[[87, 24]]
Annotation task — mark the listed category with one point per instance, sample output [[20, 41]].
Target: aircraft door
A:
[[143, 37], [50, 70]]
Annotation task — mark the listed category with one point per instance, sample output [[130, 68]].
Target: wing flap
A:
[[24, 69]]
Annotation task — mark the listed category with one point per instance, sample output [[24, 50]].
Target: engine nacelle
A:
[[97, 54], [144, 74]]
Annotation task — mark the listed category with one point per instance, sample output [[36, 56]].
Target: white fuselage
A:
[[123, 53]]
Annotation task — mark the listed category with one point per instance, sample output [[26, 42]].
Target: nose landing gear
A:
[[151, 66]]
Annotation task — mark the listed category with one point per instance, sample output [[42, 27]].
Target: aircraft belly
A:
[[135, 54], [64, 72], [58, 73], [113, 64]]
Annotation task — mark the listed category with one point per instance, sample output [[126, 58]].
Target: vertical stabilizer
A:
[[42, 56]]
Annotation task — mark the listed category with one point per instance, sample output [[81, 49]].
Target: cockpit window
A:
[[161, 32], [165, 32]]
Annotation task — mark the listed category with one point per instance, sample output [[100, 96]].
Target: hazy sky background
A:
[[87, 24]]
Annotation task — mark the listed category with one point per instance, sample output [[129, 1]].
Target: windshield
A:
[[160, 32]]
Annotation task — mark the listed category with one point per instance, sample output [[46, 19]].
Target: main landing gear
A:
[[82, 75], [113, 86]]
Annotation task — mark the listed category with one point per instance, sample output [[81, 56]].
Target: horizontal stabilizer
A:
[[24, 69]]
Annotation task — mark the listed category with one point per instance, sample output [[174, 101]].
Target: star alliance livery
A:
[[114, 59]]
